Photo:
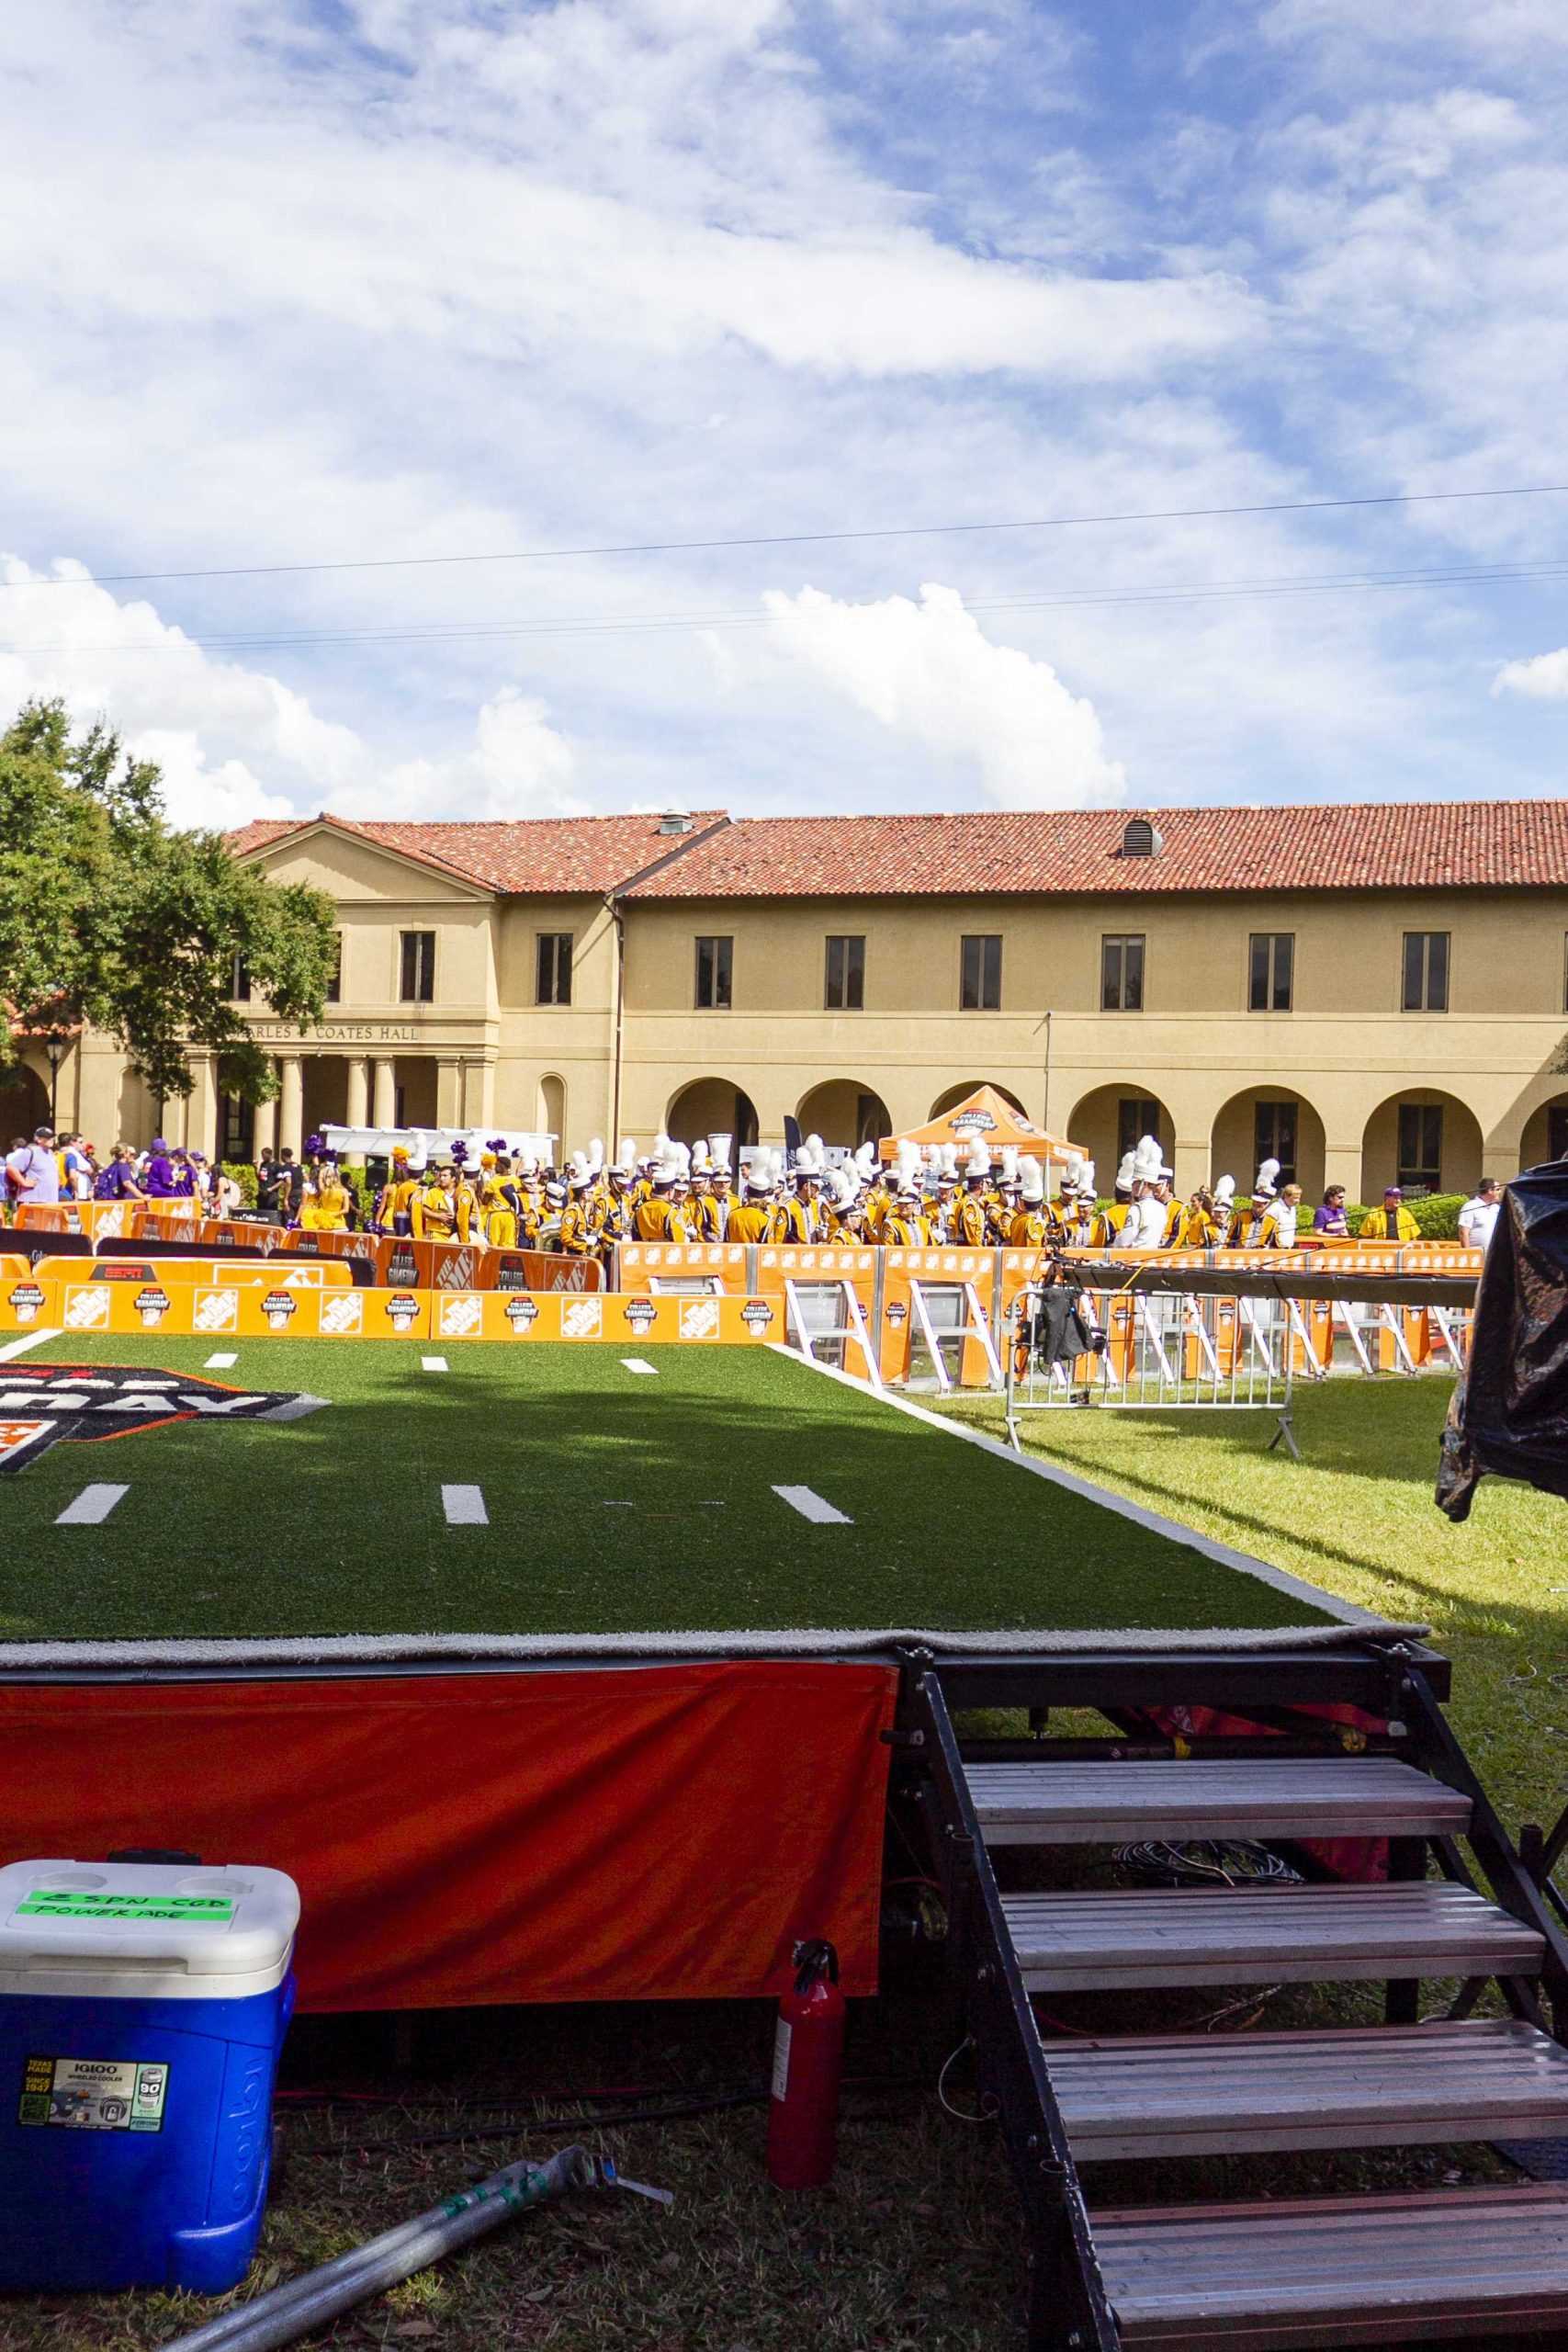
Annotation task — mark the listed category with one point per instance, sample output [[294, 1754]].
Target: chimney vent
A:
[[675, 821]]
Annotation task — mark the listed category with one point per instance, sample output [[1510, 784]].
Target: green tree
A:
[[110, 916]]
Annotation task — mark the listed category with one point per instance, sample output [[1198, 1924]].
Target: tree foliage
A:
[[110, 916]]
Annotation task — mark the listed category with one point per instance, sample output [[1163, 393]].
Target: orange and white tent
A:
[[986, 1117]]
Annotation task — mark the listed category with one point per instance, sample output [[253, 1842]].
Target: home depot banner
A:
[[591, 1836]]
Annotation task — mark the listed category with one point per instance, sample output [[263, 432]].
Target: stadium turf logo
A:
[[42, 1403]]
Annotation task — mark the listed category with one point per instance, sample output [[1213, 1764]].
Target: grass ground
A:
[[1356, 1518], [617, 1502]]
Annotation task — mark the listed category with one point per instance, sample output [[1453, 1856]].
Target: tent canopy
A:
[[985, 1117]]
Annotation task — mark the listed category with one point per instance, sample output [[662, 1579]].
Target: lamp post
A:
[[54, 1046]]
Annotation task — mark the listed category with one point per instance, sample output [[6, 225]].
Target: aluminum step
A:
[[1338, 2270], [1104, 1941], [1204, 2094], [1093, 1803]]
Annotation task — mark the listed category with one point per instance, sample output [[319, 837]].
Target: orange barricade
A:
[[122, 1218], [76, 1302], [178, 1271]]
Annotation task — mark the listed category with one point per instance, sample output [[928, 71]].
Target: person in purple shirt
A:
[[1330, 1222], [117, 1181], [162, 1182]]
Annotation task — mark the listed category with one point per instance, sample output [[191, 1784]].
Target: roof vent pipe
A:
[[675, 821]]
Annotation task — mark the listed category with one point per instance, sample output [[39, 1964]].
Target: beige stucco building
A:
[[1364, 993]]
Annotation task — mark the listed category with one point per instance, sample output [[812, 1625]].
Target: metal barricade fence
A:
[[1165, 1351]]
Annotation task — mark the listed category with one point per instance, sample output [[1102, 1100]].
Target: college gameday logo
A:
[[756, 1315], [641, 1315], [522, 1313], [42, 1404], [277, 1307], [25, 1300]]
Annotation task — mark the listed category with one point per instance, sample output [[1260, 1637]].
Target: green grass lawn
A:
[[1356, 1517], [616, 1504]]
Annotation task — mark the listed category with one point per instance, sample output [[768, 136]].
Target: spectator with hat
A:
[[1393, 1221]]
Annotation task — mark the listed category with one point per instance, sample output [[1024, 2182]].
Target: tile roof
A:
[[543, 854], [1403, 845]]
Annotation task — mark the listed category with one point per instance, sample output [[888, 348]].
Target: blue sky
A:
[[336, 279]]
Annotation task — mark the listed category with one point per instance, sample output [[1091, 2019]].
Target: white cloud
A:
[[927, 673], [1543, 677], [217, 729]]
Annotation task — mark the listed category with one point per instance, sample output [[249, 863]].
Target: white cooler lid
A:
[[152, 1927]]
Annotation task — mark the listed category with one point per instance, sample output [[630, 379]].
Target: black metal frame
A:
[[1067, 2310]]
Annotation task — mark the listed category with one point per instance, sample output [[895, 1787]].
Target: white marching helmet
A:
[[1124, 1173], [844, 1189], [1224, 1192], [1032, 1176], [1264, 1189], [977, 1165], [1148, 1161], [1086, 1180]]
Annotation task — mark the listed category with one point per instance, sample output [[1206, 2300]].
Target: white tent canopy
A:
[[425, 1144]]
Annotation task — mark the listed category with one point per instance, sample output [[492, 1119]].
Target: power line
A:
[[803, 539], [436, 633]]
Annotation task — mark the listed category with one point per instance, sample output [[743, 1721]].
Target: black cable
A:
[[807, 538]]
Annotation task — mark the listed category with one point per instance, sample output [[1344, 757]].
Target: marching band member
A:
[[1110, 1221], [749, 1218], [577, 1237], [1246, 1225], [656, 1219], [968, 1225], [905, 1227], [1035, 1224], [394, 1200], [617, 1221], [1078, 1217], [705, 1215], [1198, 1227]]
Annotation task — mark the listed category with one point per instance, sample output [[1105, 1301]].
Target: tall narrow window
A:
[[419, 967], [334, 984], [980, 972], [845, 990], [1421, 1147], [1557, 1131], [553, 972], [1274, 1137], [714, 964], [1122, 973], [1136, 1117], [1271, 961], [239, 980], [1426, 971]]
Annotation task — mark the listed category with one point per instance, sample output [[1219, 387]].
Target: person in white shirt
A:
[[1479, 1214], [34, 1171]]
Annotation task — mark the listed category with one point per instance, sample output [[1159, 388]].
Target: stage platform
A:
[[550, 1673]]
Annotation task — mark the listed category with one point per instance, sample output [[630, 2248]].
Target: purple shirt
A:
[[114, 1182], [1329, 1220], [161, 1182]]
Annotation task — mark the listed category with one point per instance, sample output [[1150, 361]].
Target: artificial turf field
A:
[[616, 1504]]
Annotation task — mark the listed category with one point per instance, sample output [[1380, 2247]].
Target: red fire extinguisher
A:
[[808, 2059]]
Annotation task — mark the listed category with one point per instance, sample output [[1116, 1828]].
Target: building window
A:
[[553, 981], [1421, 1145], [846, 973], [1274, 1137], [1136, 1117], [1271, 962], [1121, 974], [239, 980], [980, 983], [419, 967], [236, 1133], [715, 963], [1557, 1131], [334, 984], [1426, 971]]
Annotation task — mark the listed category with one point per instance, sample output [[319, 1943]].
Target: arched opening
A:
[[24, 1104], [1269, 1123], [843, 1111], [951, 1096], [1108, 1122], [550, 1113], [1424, 1140], [1545, 1136], [711, 1106]]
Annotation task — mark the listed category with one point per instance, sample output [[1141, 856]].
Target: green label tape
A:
[[72, 1903]]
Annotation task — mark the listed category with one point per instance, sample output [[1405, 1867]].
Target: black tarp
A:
[[1510, 1413]]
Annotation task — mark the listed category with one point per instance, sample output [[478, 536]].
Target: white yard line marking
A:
[[434, 1363], [638, 1363], [92, 1506], [465, 1506], [219, 1363], [29, 1340], [812, 1507]]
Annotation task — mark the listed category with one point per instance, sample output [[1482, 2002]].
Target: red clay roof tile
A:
[[536, 855]]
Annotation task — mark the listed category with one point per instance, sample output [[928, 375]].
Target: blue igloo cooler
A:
[[142, 2010]]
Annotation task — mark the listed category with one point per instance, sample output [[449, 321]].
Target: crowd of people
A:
[[950, 1195]]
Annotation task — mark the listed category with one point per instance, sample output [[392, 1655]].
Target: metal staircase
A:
[[1458, 1903]]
